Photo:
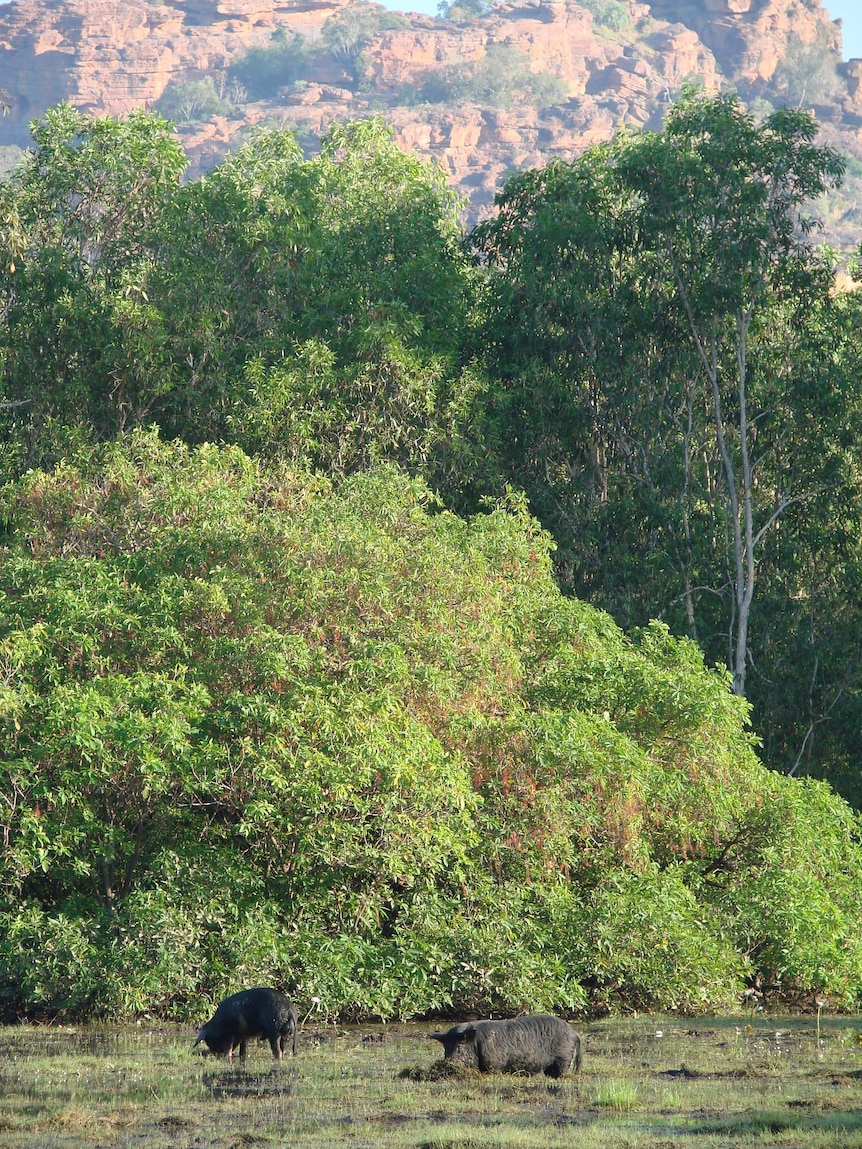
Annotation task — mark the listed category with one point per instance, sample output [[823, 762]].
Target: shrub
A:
[[263, 71], [609, 14], [255, 729], [500, 79], [464, 10], [195, 100]]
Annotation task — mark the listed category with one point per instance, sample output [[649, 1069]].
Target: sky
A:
[[849, 10], [429, 7]]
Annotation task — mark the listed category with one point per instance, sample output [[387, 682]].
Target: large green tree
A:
[[312, 308], [79, 335], [722, 204], [677, 381], [320, 306]]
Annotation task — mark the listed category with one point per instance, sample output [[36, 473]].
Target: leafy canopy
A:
[[256, 728]]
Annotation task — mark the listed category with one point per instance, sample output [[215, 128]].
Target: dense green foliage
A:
[[312, 307], [254, 728], [279, 64], [687, 392], [608, 14], [502, 78], [271, 709]]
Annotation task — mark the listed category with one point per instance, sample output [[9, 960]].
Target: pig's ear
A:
[[467, 1033], [201, 1034]]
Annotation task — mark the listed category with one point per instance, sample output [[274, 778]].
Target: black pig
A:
[[537, 1043], [248, 1014]]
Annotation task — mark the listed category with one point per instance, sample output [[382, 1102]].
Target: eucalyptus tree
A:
[[805, 673], [594, 423], [676, 381], [722, 207]]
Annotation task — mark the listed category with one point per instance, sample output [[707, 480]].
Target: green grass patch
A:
[[619, 1095]]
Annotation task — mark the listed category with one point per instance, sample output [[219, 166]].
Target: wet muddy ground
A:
[[646, 1081]]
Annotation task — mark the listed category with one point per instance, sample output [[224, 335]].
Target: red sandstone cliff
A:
[[109, 56]]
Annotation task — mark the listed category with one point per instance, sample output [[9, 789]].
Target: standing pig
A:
[[248, 1014], [537, 1043]]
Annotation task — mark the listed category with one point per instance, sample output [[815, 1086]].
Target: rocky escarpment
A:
[[110, 56]]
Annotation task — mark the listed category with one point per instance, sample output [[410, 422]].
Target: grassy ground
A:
[[647, 1082]]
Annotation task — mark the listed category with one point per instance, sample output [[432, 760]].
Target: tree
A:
[[131, 299], [609, 13], [464, 9], [192, 101], [264, 70], [345, 34], [805, 671], [808, 73], [502, 77], [575, 326], [676, 379], [387, 241], [224, 278], [723, 208], [317, 305], [79, 334]]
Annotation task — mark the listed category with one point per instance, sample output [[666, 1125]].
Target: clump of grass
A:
[[70, 1117], [619, 1095], [505, 1139], [843, 1121], [458, 1143]]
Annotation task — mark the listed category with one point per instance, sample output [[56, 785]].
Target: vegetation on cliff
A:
[[290, 690]]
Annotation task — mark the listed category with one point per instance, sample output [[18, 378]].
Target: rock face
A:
[[110, 56]]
